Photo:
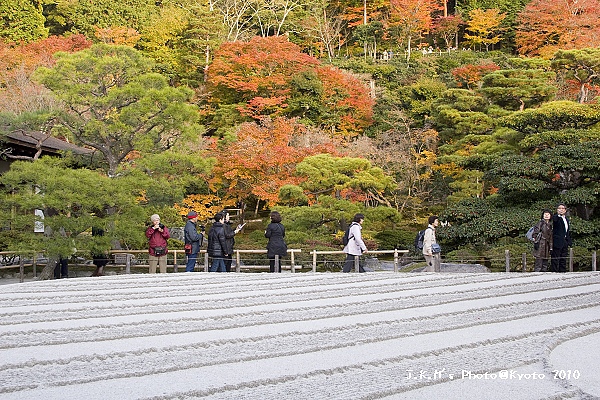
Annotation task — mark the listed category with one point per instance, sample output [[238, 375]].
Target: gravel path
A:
[[301, 336]]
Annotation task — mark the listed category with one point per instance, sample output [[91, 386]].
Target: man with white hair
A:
[[157, 235]]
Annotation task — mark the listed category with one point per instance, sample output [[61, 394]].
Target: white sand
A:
[[302, 336]]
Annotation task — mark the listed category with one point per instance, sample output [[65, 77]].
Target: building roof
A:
[[50, 144]]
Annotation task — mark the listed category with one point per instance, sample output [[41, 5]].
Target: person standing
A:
[[356, 246], [229, 240], [561, 239], [157, 235], [61, 270], [192, 238], [216, 245], [276, 246], [430, 246], [542, 246]]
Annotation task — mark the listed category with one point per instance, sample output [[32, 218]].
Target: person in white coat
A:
[[431, 258], [355, 246]]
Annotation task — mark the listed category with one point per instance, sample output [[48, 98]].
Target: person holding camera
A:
[[157, 235]]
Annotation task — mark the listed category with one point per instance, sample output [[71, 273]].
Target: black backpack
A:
[[346, 238], [419, 239]]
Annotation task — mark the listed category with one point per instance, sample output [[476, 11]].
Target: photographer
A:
[[157, 235]]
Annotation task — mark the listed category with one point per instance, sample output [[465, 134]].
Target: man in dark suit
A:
[[561, 239]]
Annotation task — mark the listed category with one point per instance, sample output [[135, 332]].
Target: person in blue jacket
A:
[[193, 238]]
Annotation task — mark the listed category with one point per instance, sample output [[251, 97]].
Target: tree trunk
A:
[[48, 271]]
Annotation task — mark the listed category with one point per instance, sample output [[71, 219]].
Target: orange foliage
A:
[[206, 205], [413, 16], [545, 26], [40, 53], [261, 161], [261, 67], [470, 75], [17, 92], [347, 99], [258, 75]]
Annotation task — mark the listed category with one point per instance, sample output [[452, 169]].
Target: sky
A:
[[380, 335]]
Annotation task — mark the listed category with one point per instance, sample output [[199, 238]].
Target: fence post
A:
[[395, 260], [356, 263], [314, 253], [293, 265], [174, 261], [237, 261], [21, 269], [570, 259], [34, 265], [524, 261], [594, 260], [128, 263], [507, 260], [276, 268], [205, 262]]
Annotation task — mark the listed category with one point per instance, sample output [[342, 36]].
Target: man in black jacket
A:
[[561, 239], [217, 248]]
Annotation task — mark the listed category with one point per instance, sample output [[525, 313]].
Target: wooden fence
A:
[[127, 259]]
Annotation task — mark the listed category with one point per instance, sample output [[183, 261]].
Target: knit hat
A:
[[192, 214]]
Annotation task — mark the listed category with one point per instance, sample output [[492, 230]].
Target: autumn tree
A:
[[18, 93], [412, 18], [470, 76], [260, 161], [545, 26], [484, 27], [271, 76], [581, 66], [447, 28], [115, 104]]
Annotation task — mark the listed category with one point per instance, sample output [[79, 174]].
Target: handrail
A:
[[395, 252]]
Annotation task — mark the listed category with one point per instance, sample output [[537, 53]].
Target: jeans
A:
[[218, 265], [191, 262]]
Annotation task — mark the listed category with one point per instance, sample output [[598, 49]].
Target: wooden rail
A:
[[395, 252]]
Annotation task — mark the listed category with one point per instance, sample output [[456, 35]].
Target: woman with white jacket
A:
[[431, 258], [355, 246]]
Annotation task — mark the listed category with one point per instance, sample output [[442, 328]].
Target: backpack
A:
[[346, 238], [419, 239], [529, 235]]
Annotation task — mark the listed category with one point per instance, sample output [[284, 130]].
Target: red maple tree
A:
[[544, 26]]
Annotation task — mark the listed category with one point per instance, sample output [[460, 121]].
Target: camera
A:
[[161, 226], [202, 227]]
